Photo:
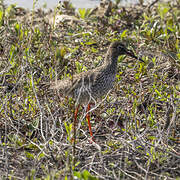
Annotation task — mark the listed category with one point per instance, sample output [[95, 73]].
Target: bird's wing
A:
[[84, 79]]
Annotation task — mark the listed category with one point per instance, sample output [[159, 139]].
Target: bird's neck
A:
[[111, 59]]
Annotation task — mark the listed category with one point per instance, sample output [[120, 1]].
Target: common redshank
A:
[[88, 86]]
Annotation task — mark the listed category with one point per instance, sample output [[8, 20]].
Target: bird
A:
[[91, 85]]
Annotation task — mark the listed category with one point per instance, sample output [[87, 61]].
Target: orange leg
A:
[[75, 122], [75, 114], [73, 140], [88, 118]]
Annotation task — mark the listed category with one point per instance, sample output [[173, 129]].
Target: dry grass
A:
[[136, 126]]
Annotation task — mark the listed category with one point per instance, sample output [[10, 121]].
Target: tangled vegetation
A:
[[136, 126]]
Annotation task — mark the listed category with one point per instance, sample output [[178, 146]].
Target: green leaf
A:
[[77, 174], [124, 33], [152, 138], [158, 93], [85, 175], [82, 12], [17, 28], [41, 155], [163, 9], [29, 155], [67, 128], [1, 17]]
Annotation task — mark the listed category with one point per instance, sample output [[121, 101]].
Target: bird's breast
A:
[[103, 85], [91, 88]]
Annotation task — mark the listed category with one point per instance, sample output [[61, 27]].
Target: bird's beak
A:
[[130, 53]]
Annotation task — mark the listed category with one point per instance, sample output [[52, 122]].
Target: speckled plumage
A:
[[93, 84]]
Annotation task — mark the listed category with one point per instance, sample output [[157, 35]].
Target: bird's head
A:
[[119, 48]]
